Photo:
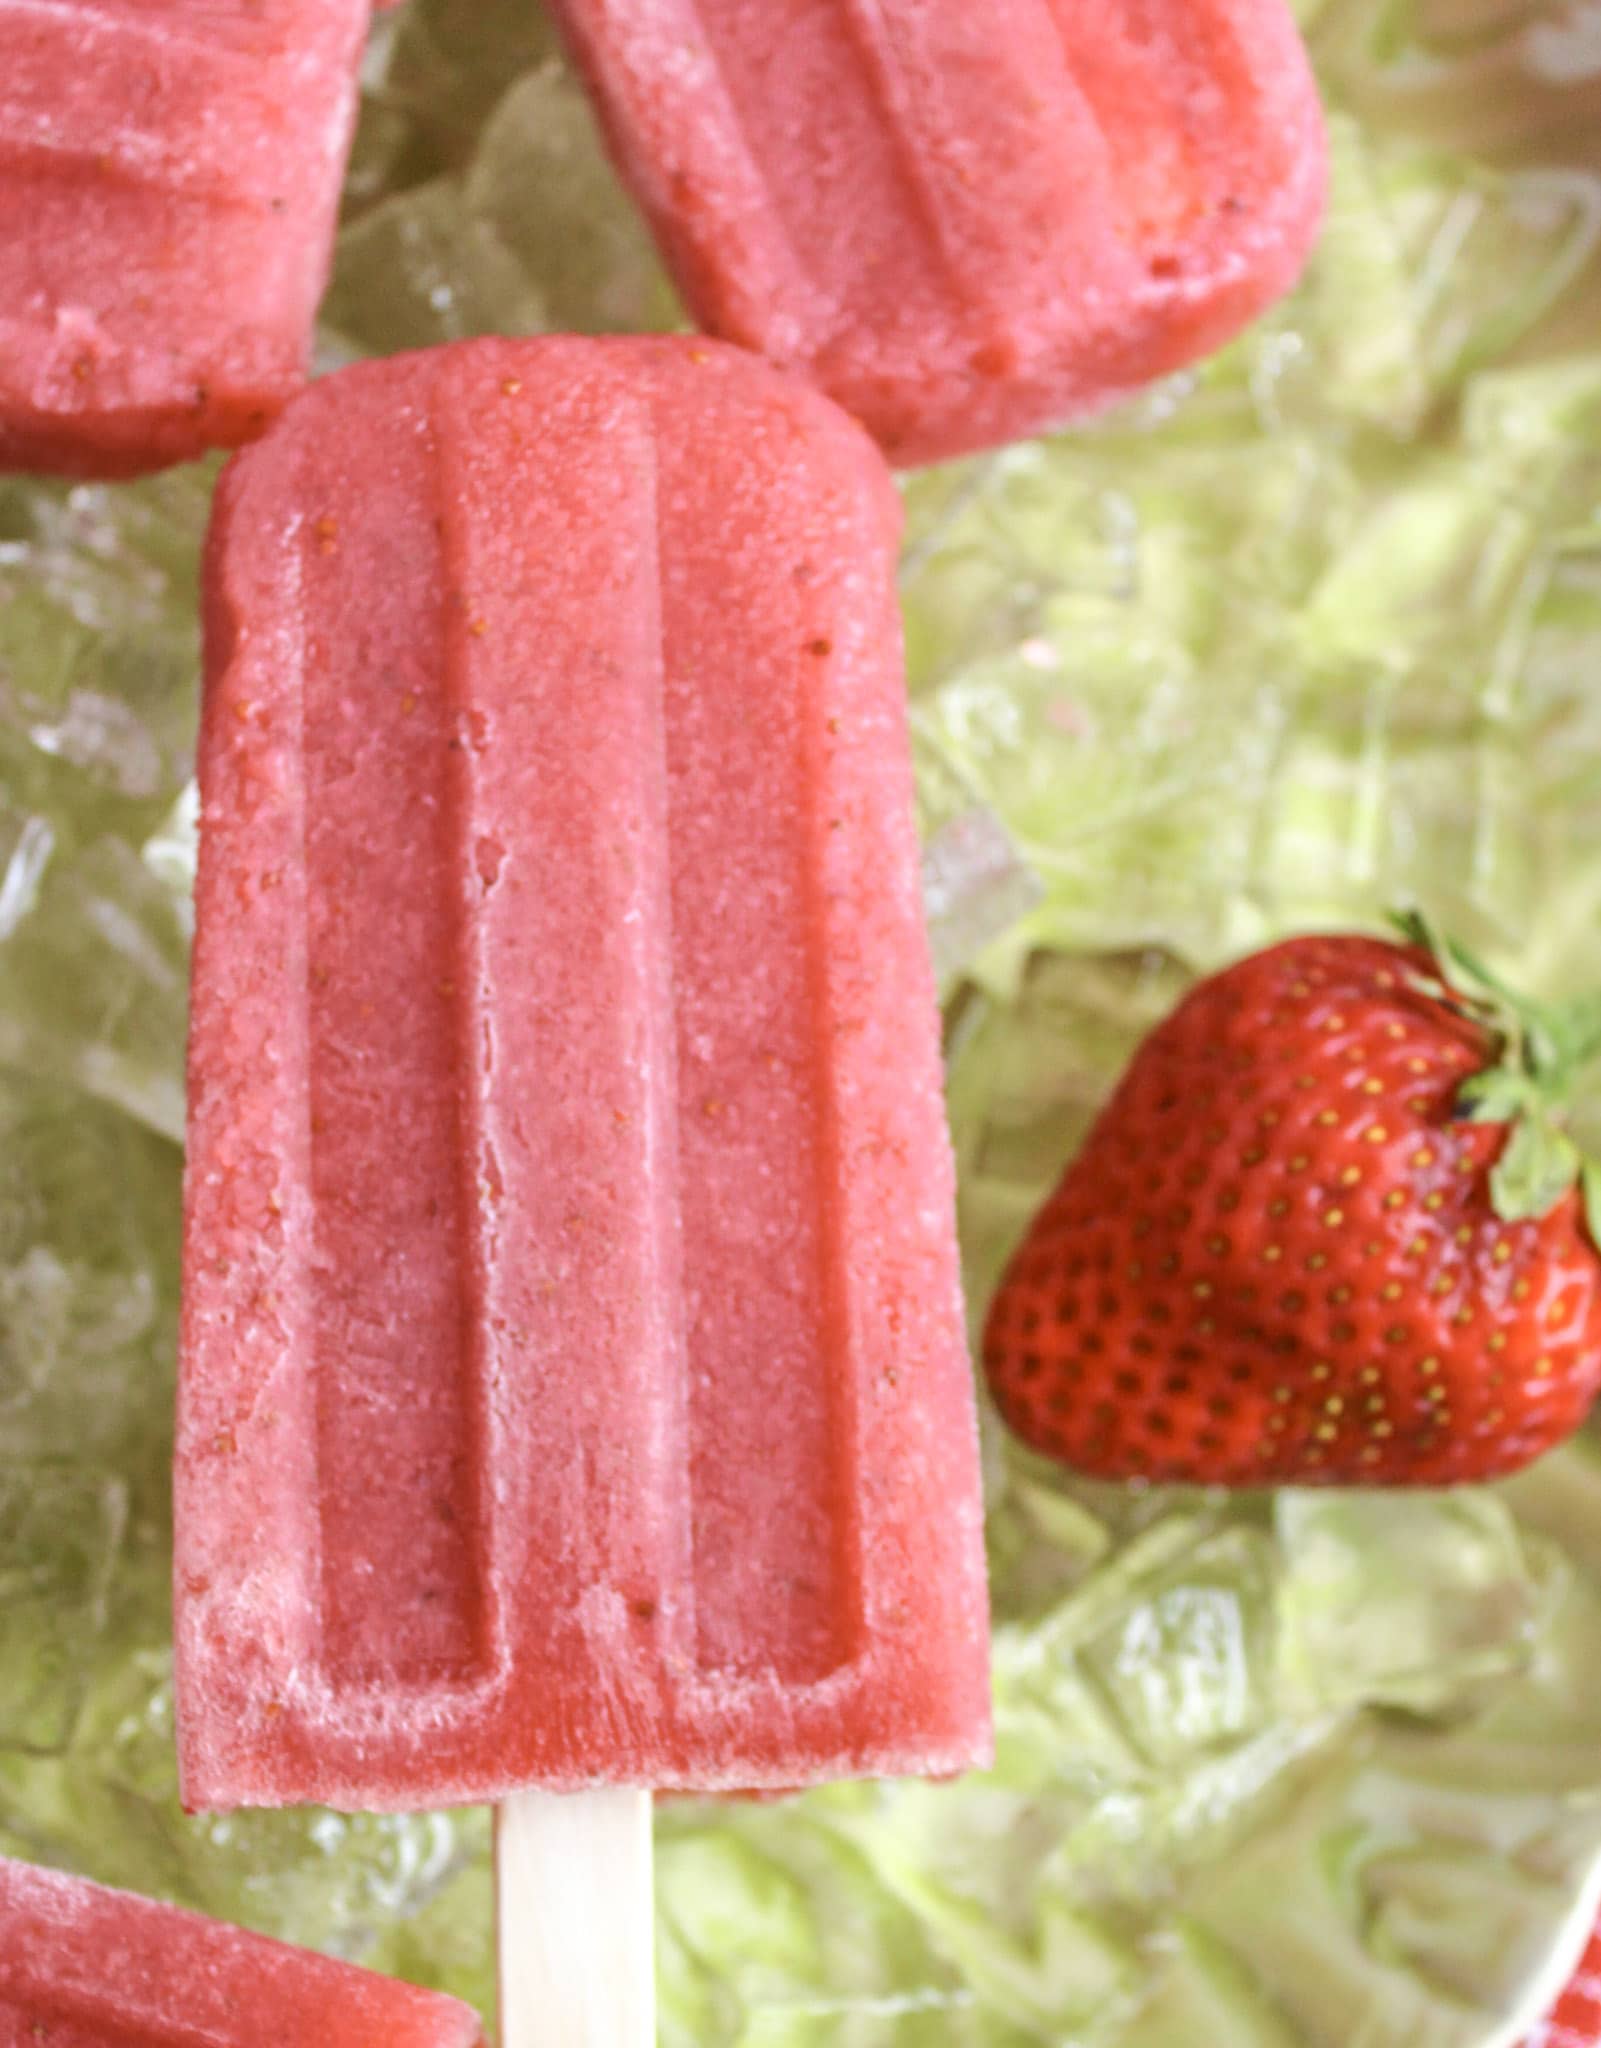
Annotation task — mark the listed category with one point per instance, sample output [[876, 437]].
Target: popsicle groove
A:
[[761, 1274], [866, 30], [866, 204], [473, 859], [390, 1071], [582, 1302]]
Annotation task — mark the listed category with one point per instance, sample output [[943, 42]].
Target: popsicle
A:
[[83, 1967], [965, 223], [169, 179], [573, 1385], [1574, 2019]]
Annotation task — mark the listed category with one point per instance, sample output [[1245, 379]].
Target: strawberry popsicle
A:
[[83, 1967], [169, 178], [965, 223], [574, 1390]]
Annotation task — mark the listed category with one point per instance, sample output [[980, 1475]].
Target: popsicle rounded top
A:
[[169, 181], [573, 1384], [967, 223], [85, 1967]]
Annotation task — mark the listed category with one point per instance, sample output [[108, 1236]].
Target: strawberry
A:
[[1328, 1230], [1575, 2020]]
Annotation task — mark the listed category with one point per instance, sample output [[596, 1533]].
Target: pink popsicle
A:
[[169, 176], [83, 1967], [573, 1385], [967, 223]]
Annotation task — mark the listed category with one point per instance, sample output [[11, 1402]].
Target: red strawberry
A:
[[1327, 1231], [1575, 2020]]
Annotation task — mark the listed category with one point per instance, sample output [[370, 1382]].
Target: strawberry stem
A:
[[1542, 1051]]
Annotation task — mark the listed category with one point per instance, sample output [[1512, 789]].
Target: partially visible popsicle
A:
[[1574, 2020], [169, 178], [574, 1389], [966, 223], [83, 1967]]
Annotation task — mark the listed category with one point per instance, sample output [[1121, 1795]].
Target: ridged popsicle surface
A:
[[574, 1387]]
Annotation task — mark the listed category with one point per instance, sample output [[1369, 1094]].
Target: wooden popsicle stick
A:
[[576, 1919]]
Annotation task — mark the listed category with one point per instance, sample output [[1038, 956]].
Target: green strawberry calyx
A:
[[1543, 1052]]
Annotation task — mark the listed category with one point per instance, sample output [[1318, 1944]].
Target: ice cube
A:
[[542, 183], [60, 1530], [420, 269], [93, 980]]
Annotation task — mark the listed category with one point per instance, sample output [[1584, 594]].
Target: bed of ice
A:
[[1317, 629]]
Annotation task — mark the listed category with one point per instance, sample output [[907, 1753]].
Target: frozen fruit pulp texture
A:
[[84, 1967], [574, 1387], [170, 178], [965, 223]]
